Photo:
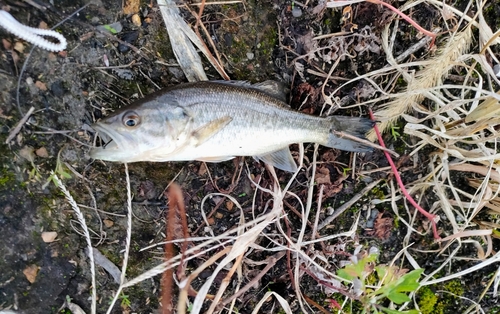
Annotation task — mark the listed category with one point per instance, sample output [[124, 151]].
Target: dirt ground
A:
[[258, 40]]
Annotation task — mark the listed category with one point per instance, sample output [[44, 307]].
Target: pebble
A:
[[57, 88], [130, 38], [496, 69], [297, 12]]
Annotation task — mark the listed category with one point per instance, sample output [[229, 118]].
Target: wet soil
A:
[[69, 91]]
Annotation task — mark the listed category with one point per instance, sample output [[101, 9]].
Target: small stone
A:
[[42, 152], [114, 28], [108, 223], [496, 70], [27, 153], [202, 170], [6, 44], [297, 12], [136, 20], [130, 38], [43, 25], [30, 272], [19, 47], [57, 88], [41, 85], [250, 55], [49, 236], [219, 215], [52, 56], [131, 7]]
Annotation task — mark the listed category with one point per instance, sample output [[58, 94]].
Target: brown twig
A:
[[19, 125], [181, 305], [216, 207], [327, 284], [270, 262], [289, 255], [315, 304], [217, 63], [225, 282]]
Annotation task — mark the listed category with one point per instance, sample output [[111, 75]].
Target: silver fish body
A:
[[216, 121]]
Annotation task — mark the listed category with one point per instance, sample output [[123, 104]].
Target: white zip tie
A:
[[31, 34]]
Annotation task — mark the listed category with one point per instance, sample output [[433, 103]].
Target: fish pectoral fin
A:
[[202, 134], [281, 159], [215, 159]]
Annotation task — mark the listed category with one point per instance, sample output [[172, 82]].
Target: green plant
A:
[[394, 132], [125, 301], [428, 300], [389, 282], [345, 170], [60, 171]]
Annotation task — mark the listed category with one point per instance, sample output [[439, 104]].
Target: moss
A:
[[238, 37], [378, 193], [7, 178], [396, 222], [268, 42], [427, 300], [454, 287], [431, 302], [372, 279]]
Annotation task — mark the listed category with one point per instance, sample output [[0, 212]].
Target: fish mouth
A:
[[112, 149]]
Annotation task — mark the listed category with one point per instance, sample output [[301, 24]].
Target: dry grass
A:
[[455, 123]]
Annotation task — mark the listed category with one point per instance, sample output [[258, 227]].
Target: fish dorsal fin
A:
[[281, 159], [205, 132], [271, 88]]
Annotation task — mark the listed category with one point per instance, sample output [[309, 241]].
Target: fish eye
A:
[[131, 119]]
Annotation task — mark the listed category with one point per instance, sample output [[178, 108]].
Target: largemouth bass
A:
[[216, 121]]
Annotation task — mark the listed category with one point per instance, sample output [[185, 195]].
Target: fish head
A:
[[136, 134]]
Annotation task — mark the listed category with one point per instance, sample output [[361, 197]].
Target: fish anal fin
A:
[[281, 159], [215, 159], [205, 132]]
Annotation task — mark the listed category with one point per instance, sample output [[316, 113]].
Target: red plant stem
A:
[[407, 18], [429, 216]]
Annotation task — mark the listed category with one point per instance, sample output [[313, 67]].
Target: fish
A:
[[215, 121]]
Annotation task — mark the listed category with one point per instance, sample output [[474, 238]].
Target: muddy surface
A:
[[69, 91]]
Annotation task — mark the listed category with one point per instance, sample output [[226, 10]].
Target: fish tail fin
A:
[[353, 126]]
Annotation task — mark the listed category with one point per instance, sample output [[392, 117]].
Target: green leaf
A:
[[409, 281], [110, 29], [342, 273], [398, 297], [406, 283], [389, 311]]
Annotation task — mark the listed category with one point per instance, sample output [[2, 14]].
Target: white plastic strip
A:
[[31, 34]]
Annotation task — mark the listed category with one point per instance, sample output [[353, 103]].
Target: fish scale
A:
[[216, 121]]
